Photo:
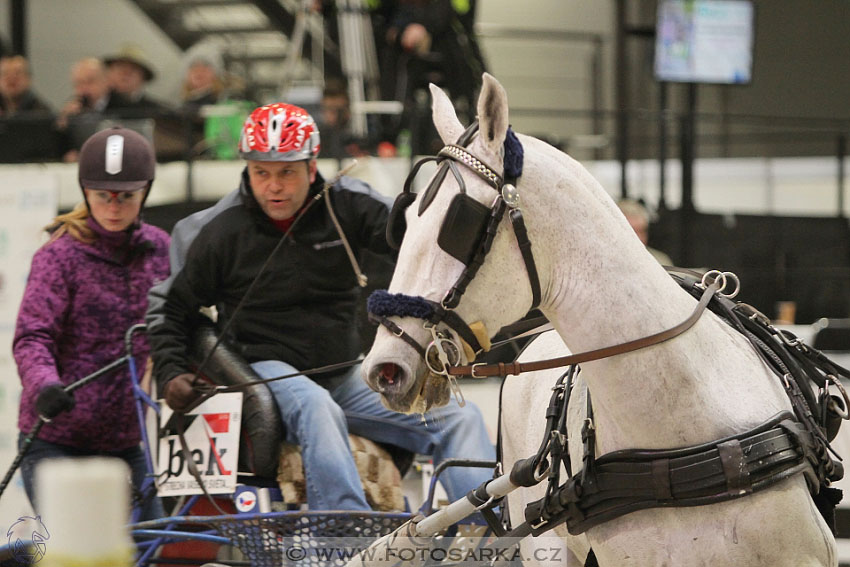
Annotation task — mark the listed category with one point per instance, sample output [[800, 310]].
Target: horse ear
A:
[[445, 118], [492, 113]]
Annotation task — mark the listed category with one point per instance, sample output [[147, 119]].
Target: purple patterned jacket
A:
[[78, 303]]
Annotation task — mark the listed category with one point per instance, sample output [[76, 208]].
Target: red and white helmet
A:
[[279, 132]]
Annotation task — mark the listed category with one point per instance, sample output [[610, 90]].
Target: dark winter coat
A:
[[302, 310]]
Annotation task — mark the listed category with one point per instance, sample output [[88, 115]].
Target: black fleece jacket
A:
[[302, 309]]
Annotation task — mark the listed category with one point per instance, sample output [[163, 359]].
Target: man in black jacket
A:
[[300, 311]]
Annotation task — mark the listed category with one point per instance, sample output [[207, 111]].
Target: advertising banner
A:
[[211, 432]]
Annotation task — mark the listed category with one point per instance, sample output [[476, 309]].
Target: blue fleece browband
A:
[[385, 304], [513, 155]]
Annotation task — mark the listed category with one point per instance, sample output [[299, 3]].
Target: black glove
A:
[[179, 392], [53, 400]]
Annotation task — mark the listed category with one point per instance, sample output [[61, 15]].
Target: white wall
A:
[[549, 73]]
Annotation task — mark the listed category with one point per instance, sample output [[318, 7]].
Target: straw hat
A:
[[132, 54]]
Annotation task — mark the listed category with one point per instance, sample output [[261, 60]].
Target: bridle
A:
[[467, 233]]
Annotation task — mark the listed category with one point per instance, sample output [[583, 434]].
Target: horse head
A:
[[445, 227]]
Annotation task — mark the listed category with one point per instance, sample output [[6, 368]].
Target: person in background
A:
[[91, 101], [335, 117], [420, 42], [638, 217], [91, 92], [87, 285], [128, 73], [203, 81], [16, 95], [301, 313]]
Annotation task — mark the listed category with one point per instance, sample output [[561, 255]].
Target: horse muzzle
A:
[[405, 388]]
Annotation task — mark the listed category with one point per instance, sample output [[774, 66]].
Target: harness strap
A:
[[397, 331], [525, 471], [484, 503], [525, 249], [626, 481], [794, 362], [516, 367], [457, 324]]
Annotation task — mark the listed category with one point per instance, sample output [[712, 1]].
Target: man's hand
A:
[[179, 392], [53, 400]]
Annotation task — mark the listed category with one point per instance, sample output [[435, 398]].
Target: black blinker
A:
[[396, 224], [463, 227]]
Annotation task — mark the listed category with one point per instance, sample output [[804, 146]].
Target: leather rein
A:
[[483, 370]]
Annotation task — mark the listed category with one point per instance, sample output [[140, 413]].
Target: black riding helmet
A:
[[117, 159]]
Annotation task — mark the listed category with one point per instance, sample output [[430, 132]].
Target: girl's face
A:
[[115, 210]]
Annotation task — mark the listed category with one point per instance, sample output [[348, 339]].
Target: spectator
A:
[[16, 95], [426, 41], [87, 285], [204, 84], [128, 73], [203, 81], [638, 218], [91, 92], [338, 142], [91, 102], [301, 312]]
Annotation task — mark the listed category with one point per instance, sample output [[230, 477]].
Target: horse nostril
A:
[[388, 373]]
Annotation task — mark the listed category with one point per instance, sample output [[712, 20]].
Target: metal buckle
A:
[[845, 413], [793, 343], [486, 504], [472, 370]]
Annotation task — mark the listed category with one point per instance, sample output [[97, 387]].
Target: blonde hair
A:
[[74, 223]]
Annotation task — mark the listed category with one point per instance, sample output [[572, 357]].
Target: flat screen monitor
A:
[[704, 41]]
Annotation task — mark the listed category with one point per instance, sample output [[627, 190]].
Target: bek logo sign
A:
[[211, 433], [27, 539]]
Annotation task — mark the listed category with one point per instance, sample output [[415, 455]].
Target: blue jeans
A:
[[39, 450], [320, 419]]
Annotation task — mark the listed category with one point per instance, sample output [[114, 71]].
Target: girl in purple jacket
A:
[[86, 287]]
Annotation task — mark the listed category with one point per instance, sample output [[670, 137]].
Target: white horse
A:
[[600, 287]]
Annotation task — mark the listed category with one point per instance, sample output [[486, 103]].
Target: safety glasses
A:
[[120, 197]]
